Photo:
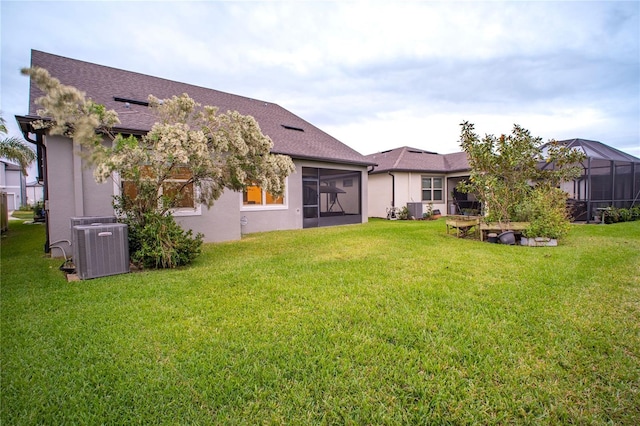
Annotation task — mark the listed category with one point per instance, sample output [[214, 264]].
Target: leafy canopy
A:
[[506, 169]]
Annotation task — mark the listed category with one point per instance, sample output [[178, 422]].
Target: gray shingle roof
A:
[[406, 159], [598, 150], [291, 134]]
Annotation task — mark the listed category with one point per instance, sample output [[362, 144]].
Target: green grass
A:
[[384, 323], [23, 214]]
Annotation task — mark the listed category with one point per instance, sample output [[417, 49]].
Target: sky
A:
[[376, 75]]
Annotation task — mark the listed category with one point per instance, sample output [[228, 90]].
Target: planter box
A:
[[538, 242], [516, 227]]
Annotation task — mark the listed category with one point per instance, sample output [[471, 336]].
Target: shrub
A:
[[547, 213], [161, 243], [615, 215]]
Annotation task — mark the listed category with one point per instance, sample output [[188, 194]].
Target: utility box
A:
[[100, 249], [415, 210]]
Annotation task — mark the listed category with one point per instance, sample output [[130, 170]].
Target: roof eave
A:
[[327, 160]]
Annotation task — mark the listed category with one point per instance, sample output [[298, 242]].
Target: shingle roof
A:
[[406, 159], [598, 150], [291, 134]]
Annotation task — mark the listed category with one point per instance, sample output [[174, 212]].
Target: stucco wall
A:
[[379, 194], [408, 189], [219, 223]]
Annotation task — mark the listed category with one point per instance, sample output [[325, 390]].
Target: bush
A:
[[547, 213], [615, 215], [161, 243]]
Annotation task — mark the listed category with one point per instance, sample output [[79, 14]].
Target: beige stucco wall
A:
[[408, 189]]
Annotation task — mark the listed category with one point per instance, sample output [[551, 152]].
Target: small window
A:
[[432, 189]]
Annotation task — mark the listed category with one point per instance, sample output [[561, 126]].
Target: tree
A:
[[505, 171], [14, 149], [210, 151]]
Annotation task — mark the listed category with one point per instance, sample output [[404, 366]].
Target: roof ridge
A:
[[400, 156]]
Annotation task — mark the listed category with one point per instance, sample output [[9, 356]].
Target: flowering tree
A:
[[210, 151]]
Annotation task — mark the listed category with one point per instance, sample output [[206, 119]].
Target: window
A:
[[431, 188], [177, 185], [255, 196]]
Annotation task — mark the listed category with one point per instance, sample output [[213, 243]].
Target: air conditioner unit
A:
[[88, 220], [100, 250]]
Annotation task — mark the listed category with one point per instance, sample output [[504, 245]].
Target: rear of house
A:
[[426, 180], [329, 186]]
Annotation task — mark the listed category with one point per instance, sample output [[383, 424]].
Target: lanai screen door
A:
[[331, 197]]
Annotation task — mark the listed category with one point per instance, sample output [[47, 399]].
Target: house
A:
[[35, 193], [329, 186], [408, 175], [12, 182]]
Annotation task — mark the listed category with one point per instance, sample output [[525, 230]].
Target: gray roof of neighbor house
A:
[[127, 93], [598, 150], [406, 159]]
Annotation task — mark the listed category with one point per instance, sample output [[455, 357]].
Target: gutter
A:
[[393, 189], [42, 170]]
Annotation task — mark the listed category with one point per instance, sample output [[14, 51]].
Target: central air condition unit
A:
[[89, 220], [100, 250]]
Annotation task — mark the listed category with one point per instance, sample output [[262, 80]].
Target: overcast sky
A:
[[376, 75]]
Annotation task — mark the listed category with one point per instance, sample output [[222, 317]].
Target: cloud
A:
[[374, 74]]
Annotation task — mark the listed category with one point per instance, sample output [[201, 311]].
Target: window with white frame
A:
[[432, 188], [254, 195]]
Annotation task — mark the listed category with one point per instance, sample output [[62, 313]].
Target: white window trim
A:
[[177, 212], [265, 207], [422, 189]]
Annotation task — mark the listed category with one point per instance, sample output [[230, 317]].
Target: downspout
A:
[[393, 189], [588, 190], [42, 173]]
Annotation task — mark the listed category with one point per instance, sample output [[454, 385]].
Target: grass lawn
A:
[[391, 322]]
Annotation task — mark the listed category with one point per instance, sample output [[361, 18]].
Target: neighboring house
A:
[[329, 186], [35, 193], [12, 182], [409, 175]]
